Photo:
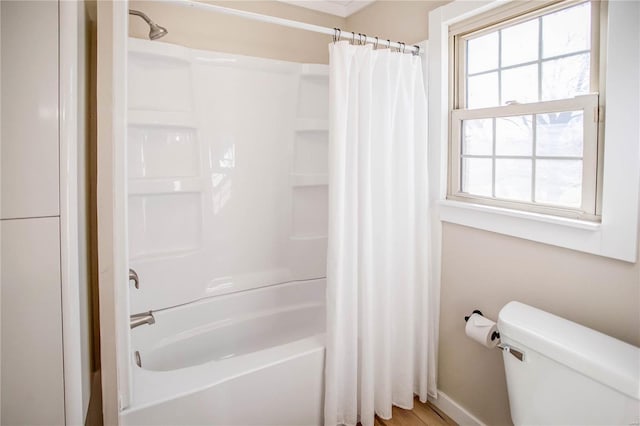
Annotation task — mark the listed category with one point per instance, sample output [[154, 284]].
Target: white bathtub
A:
[[249, 358]]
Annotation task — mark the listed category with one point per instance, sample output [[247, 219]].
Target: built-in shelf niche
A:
[[309, 174], [311, 153], [162, 152], [164, 224], [310, 211], [313, 98], [308, 256]]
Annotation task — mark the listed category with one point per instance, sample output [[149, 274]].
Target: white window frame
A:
[[506, 17], [616, 236], [588, 104]]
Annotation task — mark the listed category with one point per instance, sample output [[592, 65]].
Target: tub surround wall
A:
[[227, 173]]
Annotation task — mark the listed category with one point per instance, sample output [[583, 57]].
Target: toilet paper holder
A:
[[496, 335]]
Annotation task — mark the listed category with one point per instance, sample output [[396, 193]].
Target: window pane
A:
[[477, 137], [514, 135], [565, 77], [520, 84], [566, 31], [482, 90], [520, 43], [513, 179], [559, 182], [560, 134], [476, 176], [482, 53]]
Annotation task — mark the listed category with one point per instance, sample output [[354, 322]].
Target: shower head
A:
[[155, 30]]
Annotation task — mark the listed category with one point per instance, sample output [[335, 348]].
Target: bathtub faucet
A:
[[136, 320]]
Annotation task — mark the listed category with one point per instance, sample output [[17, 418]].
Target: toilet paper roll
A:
[[480, 329]]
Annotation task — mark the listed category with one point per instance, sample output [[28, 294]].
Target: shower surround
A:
[[227, 226]]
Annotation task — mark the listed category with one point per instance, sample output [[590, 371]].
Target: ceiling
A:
[[342, 8]]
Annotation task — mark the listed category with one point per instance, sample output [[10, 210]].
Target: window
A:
[[525, 109], [616, 234]]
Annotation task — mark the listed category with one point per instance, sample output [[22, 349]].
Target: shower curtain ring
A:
[[336, 34], [403, 46], [364, 39], [353, 38], [388, 43], [375, 45]]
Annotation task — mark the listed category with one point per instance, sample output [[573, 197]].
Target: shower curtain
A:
[[378, 350]]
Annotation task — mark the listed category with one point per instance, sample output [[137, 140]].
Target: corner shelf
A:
[[161, 118], [312, 125], [307, 238], [164, 185], [315, 70], [309, 179]]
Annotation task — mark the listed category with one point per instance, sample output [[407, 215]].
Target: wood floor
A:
[[421, 415]]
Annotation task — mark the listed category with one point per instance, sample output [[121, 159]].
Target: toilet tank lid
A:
[[603, 358]]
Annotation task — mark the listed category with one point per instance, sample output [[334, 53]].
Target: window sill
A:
[[451, 211], [611, 238], [568, 233]]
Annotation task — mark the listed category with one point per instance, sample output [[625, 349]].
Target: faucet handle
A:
[[133, 276]]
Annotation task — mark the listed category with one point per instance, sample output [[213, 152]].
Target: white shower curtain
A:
[[378, 351]]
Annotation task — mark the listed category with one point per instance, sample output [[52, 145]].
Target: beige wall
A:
[[484, 270], [224, 33], [397, 20]]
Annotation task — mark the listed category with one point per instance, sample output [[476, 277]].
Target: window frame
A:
[[590, 104], [616, 235]]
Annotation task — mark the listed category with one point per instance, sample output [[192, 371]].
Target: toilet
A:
[[561, 373]]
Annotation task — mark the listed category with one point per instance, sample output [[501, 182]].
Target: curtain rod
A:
[[335, 32]]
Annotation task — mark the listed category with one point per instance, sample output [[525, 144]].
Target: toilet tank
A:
[[570, 374]]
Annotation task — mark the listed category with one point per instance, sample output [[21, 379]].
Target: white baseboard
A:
[[454, 410]]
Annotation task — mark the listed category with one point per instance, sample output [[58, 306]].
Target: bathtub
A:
[[248, 358]]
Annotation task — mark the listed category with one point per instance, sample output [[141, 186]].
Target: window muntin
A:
[[524, 119], [516, 158]]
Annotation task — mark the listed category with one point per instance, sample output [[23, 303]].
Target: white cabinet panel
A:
[[32, 372], [29, 108]]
